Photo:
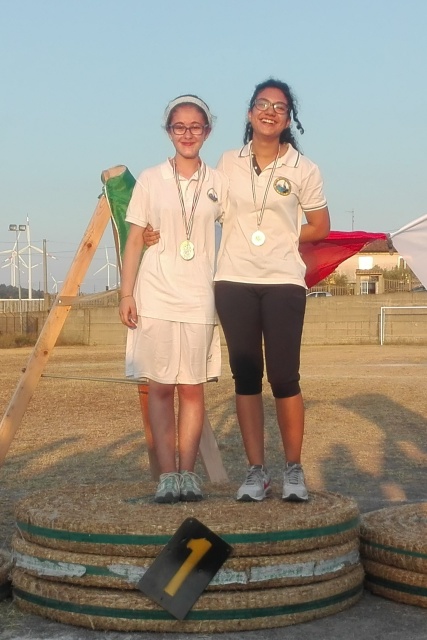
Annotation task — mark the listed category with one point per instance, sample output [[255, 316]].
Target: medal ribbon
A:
[[188, 224], [260, 214]]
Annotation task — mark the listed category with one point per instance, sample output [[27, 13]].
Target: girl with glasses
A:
[[167, 298], [260, 291]]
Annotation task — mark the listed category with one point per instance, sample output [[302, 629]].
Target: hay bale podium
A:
[[80, 553]]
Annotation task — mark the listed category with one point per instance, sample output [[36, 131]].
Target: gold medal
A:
[[186, 250], [258, 238]]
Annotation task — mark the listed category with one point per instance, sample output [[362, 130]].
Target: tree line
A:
[[7, 292]]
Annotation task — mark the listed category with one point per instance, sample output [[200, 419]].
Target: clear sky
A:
[[84, 85]]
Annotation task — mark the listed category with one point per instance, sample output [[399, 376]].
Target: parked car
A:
[[319, 294]]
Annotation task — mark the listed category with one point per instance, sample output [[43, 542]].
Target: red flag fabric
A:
[[322, 258]]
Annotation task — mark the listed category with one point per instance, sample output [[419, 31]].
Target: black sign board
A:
[[184, 567]]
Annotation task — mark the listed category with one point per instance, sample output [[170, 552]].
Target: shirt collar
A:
[[167, 171], [290, 159]]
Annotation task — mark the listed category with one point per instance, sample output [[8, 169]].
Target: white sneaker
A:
[[256, 487], [190, 487], [294, 488], [169, 488]]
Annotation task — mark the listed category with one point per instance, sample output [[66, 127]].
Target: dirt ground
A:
[[365, 437]]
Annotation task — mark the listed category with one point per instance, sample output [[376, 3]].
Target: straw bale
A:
[[110, 609], [122, 519], [396, 536], [396, 584], [6, 563], [251, 572]]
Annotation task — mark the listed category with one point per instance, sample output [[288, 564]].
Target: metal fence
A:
[[13, 305], [390, 286]]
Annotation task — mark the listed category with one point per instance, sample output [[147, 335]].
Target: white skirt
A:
[[173, 352]]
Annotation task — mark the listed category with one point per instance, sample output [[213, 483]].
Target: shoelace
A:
[[189, 477], [293, 474], [170, 481], [253, 476]]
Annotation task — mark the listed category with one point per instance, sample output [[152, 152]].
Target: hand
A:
[[151, 237], [127, 312]]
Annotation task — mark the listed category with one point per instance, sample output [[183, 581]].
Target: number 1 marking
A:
[[199, 547]]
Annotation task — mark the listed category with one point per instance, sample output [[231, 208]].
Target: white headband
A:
[[185, 100]]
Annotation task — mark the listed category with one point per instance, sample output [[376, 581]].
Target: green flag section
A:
[[118, 187]]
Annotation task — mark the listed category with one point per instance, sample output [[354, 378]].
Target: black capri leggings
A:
[[251, 312]]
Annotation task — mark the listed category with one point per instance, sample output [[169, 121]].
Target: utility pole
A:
[[17, 228], [352, 218], [45, 291]]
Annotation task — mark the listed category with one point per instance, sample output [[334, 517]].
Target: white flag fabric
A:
[[411, 242]]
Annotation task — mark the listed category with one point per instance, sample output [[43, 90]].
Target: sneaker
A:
[[256, 487], [294, 488], [190, 487], [168, 489]]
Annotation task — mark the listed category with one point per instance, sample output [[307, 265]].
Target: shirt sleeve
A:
[[312, 196], [138, 208]]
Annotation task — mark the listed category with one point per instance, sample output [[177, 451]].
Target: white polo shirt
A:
[[296, 187], [167, 286]]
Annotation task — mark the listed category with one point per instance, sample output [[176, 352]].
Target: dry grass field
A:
[[366, 422]]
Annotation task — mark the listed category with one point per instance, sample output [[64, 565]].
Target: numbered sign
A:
[[184, 567]]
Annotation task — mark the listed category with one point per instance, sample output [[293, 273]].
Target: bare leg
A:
[[190, 423], [162, 419], [250, 414], [290, 416]]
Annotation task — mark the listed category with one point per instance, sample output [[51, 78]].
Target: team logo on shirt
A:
[[282, 186], [212, 195]]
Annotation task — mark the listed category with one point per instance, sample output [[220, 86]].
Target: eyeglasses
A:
[[262, 104], [180, 129]]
